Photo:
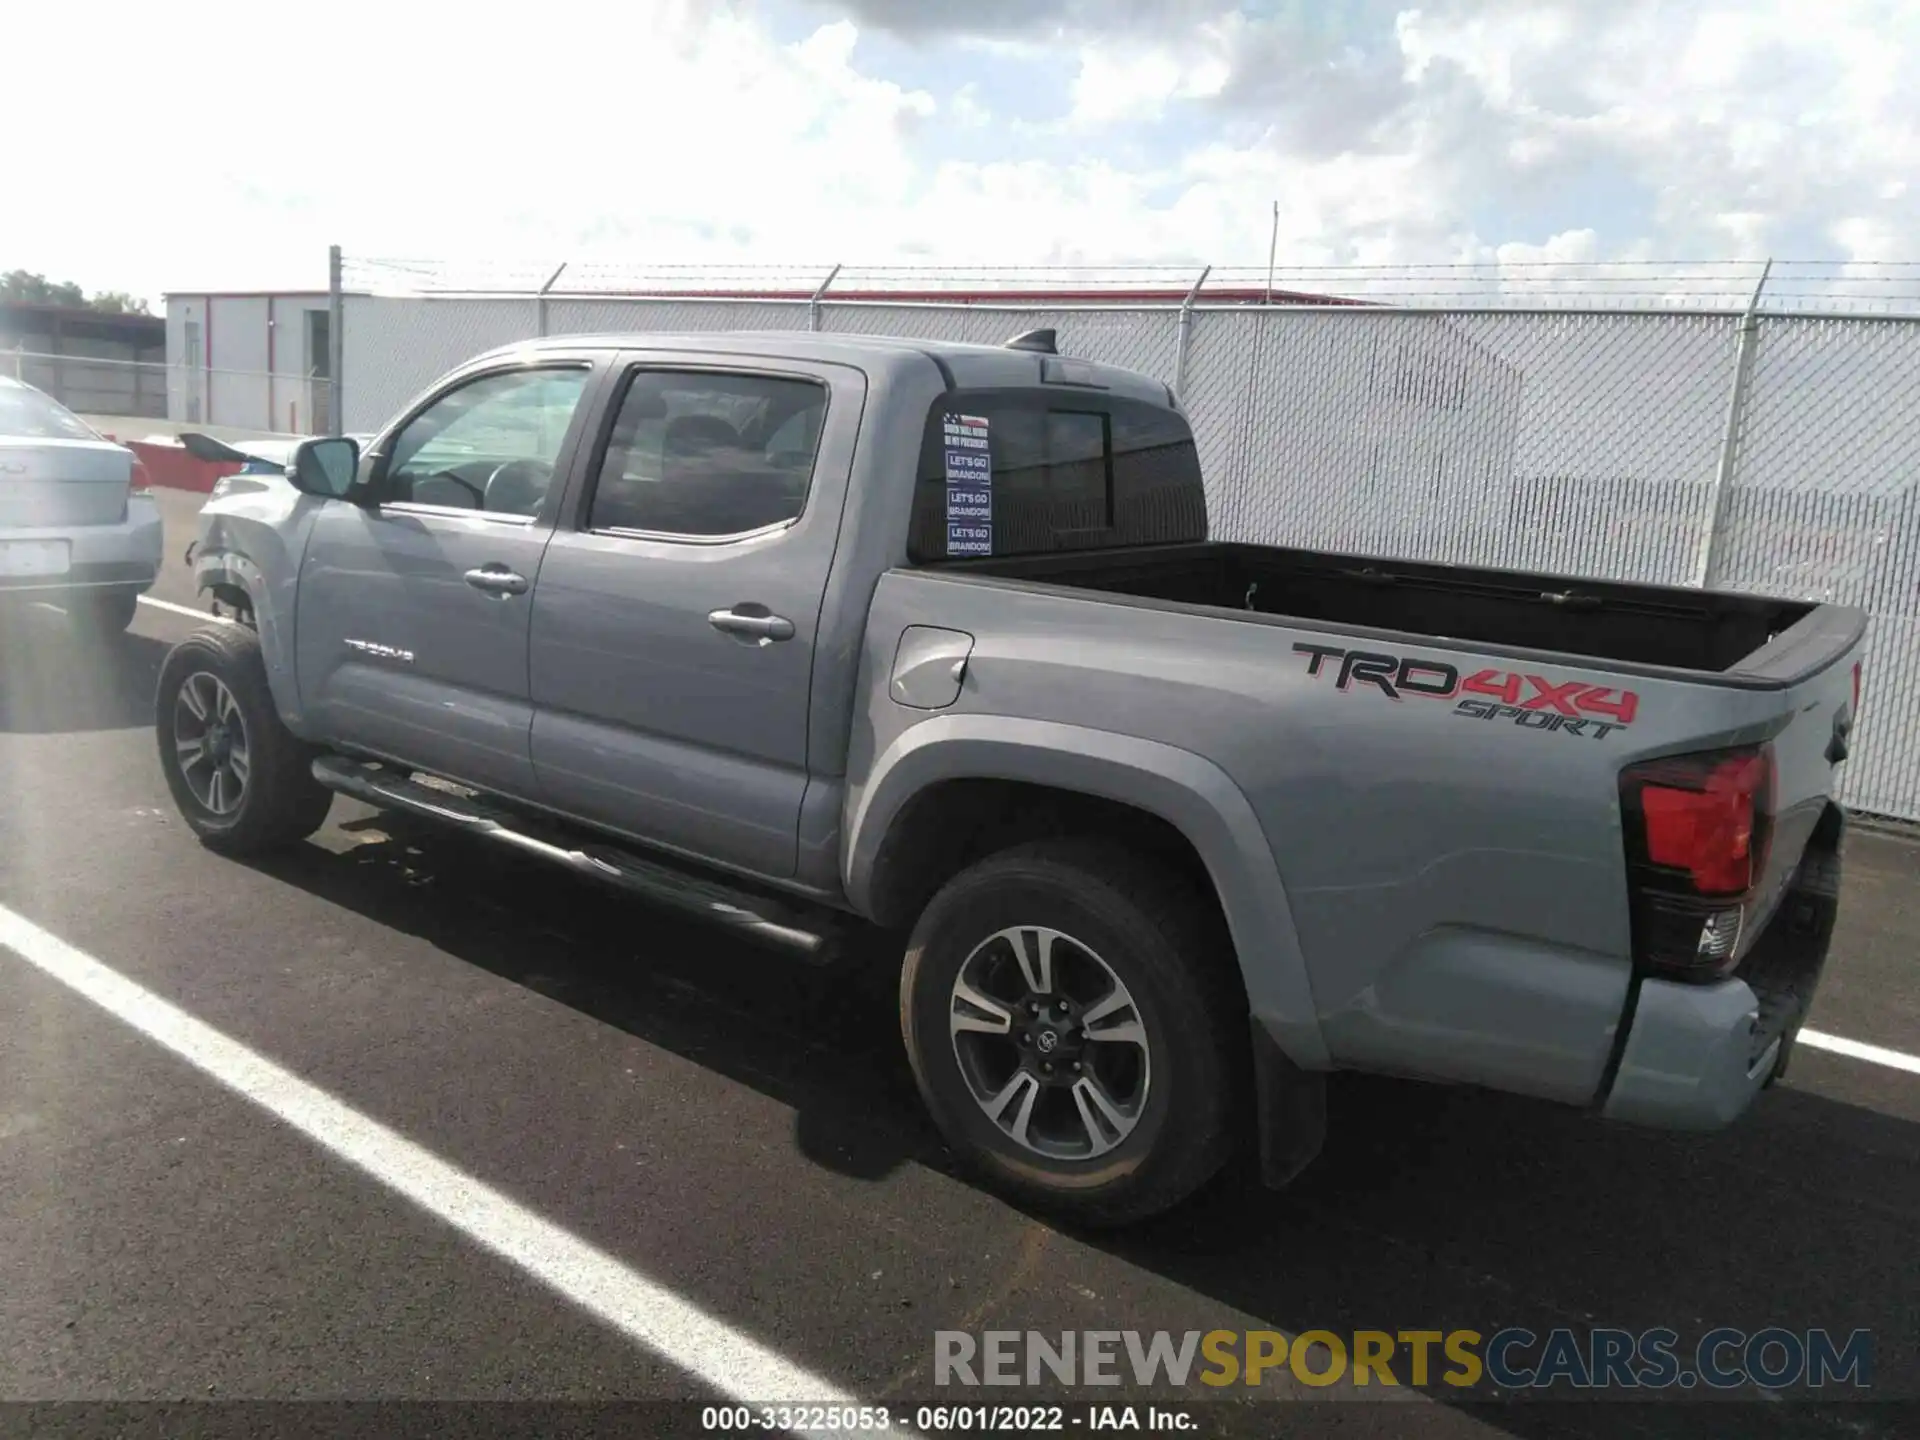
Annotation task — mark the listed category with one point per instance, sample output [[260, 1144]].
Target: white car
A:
[[256, 458], [77, 526]]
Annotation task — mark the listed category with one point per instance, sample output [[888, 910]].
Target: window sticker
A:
[[969, 474]]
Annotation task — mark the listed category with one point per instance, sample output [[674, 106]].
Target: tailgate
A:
[[55, 483], [1718, 811], [1817, 662], [1733, 851]]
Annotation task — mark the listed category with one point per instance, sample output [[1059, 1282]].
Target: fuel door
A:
[[929, 666]]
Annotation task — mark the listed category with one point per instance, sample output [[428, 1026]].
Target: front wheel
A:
[[243, 781], [1077, 1028]]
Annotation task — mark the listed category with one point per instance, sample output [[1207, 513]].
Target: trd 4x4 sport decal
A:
[[1532, 702]]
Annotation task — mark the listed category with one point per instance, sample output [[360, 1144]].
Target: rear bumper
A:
[[126, 554], [1696, 1055], [1689, 1064]]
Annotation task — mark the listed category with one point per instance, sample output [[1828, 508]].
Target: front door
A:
[[413, 607], [673, 632]]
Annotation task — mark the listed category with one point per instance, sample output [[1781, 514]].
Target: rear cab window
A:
[[1064, 470]]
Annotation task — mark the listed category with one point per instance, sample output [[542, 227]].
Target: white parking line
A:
[[186, 610], [1859, 1050], [679, 1331]]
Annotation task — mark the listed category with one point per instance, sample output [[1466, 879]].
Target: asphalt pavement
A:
[[577, 1148]]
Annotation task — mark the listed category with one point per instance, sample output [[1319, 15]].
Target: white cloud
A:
[[681, 130], [1123, 86], [1747, 122], [676, 129], [1120, 82], [1495, 49], [966, 108], [1870, 241]]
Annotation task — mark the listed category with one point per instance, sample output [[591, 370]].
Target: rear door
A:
[[413, 606], [674, 626]]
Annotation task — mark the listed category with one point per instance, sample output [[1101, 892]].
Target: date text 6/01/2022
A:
[[943, 1419]]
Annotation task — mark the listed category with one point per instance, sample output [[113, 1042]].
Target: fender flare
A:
[[1186, 790], [233, 569]]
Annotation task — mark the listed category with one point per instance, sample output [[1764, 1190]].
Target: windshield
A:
[[27, 414]]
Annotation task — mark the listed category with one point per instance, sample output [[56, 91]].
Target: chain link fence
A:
[[1608, 441], [92, 384], [139, 397]]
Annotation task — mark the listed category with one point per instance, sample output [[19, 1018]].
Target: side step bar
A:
[[810, 935]]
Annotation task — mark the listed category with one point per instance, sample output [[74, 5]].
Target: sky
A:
[[206, 144]]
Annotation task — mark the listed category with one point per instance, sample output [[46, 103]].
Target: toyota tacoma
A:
[[829, 636]]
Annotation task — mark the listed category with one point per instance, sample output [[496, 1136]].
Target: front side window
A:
[[491, 445], [708, 454]]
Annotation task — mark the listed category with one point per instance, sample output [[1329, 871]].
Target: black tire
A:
[[281, 803], [1168, 945], [104, 612]]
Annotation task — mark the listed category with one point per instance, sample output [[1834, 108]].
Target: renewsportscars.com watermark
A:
[[1512, 1359]]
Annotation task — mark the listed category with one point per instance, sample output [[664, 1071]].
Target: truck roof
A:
[[969, 366]]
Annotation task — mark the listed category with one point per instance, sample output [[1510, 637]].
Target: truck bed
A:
[[1650, 625]]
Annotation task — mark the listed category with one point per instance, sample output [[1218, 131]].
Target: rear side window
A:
[[1063, 470], [705, 454]]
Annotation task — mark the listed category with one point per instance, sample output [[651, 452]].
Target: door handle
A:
[[497, 581], [745, 623]]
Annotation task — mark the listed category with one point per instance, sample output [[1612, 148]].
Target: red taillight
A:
[[1856, 689], [1708, 831], [1697, 828], [142, 480]]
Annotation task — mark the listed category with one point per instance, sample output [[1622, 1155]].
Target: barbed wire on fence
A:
[[1792, 286]]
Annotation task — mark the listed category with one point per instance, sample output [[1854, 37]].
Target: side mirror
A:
[[325, 467]]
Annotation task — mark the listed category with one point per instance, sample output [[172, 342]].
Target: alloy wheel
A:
[[1050, 1043], [210, 743]]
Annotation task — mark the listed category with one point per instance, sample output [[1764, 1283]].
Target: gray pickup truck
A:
[[825, 636]]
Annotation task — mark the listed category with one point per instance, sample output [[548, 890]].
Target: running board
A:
[[810, 935]]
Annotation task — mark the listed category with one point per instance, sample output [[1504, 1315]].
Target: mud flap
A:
[[1290, 1114]]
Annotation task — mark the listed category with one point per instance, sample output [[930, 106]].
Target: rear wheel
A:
[[241, 779], [104, 612], [1077, 1029]]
